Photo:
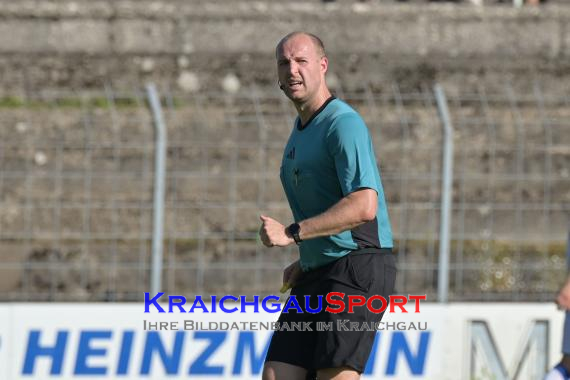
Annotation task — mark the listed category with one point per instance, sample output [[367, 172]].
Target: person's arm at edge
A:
[[563, 298]]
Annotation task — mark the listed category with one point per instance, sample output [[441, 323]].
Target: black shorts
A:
[[366, 272]]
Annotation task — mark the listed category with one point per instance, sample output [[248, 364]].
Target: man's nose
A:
[[293, 67]]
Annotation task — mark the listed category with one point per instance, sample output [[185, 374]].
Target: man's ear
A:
[[324, 64]]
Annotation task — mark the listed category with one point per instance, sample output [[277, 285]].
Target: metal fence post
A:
[[446, 195], [159, 184]]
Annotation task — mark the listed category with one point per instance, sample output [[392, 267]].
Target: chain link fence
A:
[[77, 175]]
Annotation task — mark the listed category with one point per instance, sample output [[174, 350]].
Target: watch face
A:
[[294, 229]]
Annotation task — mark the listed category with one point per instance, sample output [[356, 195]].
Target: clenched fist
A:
[[273, 234]]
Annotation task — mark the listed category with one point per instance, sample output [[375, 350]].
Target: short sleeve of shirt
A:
[[348, 142]]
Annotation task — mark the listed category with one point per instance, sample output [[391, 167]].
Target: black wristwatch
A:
[[294, 230]]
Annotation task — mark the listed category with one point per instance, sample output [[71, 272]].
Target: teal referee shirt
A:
[[328, 158]]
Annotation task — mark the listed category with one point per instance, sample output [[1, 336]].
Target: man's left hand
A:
[[272, 233]]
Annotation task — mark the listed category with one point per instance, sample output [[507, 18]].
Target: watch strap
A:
[[294, 230]]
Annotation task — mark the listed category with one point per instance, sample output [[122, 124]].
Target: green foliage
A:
[[12, 102]]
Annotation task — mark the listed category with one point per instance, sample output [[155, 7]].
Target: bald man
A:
[[341, 224]]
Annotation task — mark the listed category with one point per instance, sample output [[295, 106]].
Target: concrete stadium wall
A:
[[199, 45], [195, 44]]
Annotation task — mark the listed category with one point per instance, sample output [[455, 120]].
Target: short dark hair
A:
[[316, 40]]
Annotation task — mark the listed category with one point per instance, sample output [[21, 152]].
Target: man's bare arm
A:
[[351, 211]]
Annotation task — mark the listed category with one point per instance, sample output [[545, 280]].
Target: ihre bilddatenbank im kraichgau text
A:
[[230, 304]]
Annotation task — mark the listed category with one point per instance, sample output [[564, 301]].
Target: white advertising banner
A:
[[110, 341]]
